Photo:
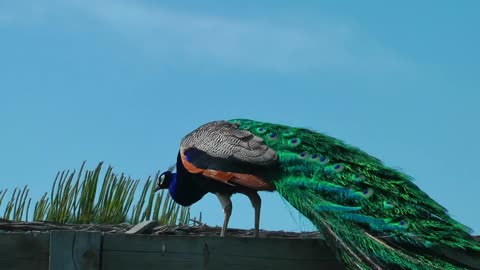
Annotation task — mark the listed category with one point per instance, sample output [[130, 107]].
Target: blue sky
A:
[[123, 81]]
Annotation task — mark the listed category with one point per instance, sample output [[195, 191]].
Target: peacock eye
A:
[[323, 160], [314, 157], [358, 178], [303, 155], [403, 224], [388, 204], [261, 130], [294, 141], [272, 136], [162, 178], [367, 193], [338, 167]]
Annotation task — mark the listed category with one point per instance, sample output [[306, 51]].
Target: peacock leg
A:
[[227, 210], [256, 203]]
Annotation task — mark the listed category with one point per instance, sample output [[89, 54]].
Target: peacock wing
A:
[[223, 152]]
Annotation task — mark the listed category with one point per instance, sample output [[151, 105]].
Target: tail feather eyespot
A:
[[358, 178], [388, 205], [323, 160], [294, 142], [261, 130], [272, 136], [303, 155]]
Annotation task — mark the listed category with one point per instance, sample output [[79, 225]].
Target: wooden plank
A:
[[24, 251], [142, 227], [172, 252], [81, 250], [75, 250]]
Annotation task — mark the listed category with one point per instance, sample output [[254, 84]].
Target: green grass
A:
[[87, 197]]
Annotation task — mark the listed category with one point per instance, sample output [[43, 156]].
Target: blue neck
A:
[[173, 188], [185, 189]]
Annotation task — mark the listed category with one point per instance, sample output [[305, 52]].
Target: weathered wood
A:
[[142, 227], [172, 252], [24, 251], [74, 250], [83, 250], [201, 230]]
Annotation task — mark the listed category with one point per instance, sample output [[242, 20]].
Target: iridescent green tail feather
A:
[[375, 217]]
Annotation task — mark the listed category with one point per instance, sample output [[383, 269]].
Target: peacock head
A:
[[164, 180]]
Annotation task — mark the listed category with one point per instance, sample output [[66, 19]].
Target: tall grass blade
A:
[[80, 198]]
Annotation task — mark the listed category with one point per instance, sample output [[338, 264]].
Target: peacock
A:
[[373, 216]]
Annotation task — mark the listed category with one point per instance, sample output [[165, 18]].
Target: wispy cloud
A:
[[189, 36], [327, 45]]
